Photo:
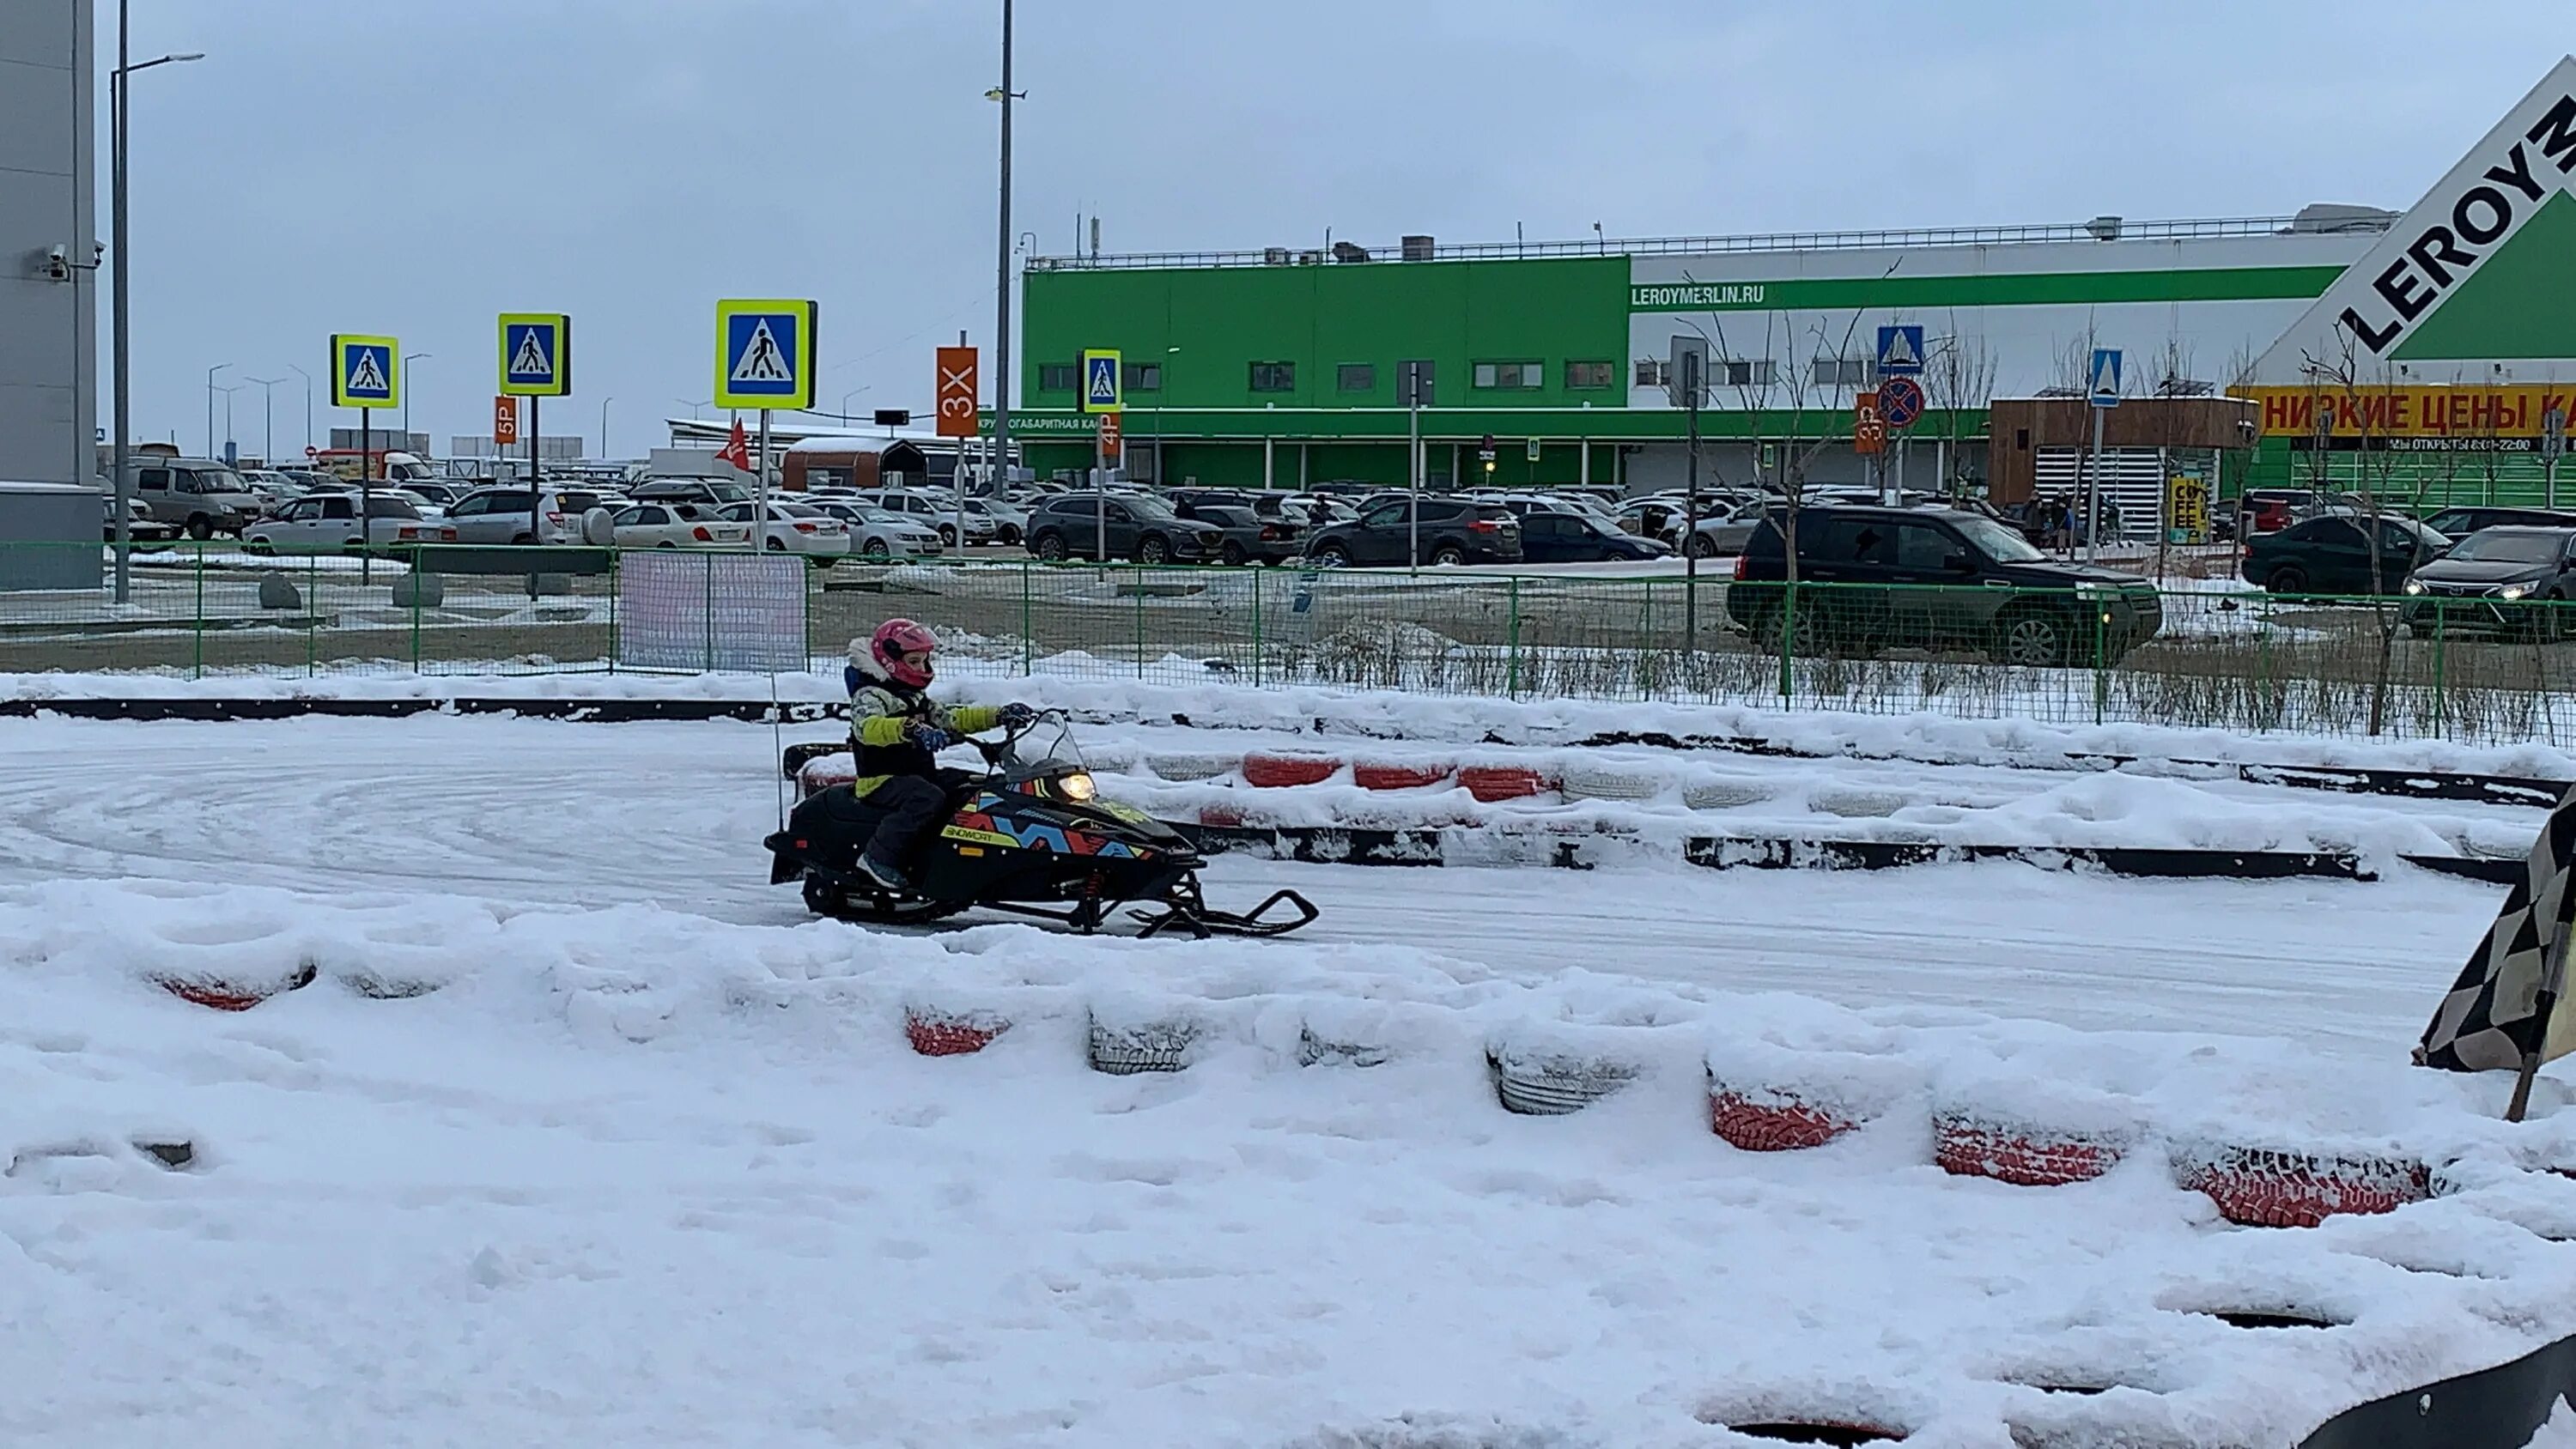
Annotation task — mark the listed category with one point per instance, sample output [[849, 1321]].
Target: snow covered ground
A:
[[655, 1166]]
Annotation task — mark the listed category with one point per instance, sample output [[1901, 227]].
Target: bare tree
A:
[[2363, 398], [1958, 376]]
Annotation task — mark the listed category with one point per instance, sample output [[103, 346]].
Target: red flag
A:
[[737, 450]]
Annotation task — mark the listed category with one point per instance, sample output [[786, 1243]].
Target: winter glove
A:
[[1017, 716], [932, 738]]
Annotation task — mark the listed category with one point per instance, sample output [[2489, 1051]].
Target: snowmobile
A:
[[1030, 836]]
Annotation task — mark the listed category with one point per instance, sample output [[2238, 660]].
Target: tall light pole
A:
[[604, 454], [693, 406], [268, 419], [845, 404], [228, 392], [1002, 271], [308, 404], [408, 359], [210, 406], [124, 463]]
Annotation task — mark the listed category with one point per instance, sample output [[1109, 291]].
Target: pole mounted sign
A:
[[1869, 429], [505, 419], [1103, 391], [1900, 352], [366, 372], [536, 354], [1900, 401], [1111, 442], [765, 354], [2103, 385], [959, 386]]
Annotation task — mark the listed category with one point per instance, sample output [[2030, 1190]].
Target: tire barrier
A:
[[1193, 767], [1772, 1120], [2264, 1188], [1859, 804], [1553, 1085], [1966, 1144], [1724, 794], [1495, 783], [1320, 1051], [1608, 782], [1269, 771], [939, 1033], [1388, 776], [1748, 853], [234, 994], [1153, 1046]]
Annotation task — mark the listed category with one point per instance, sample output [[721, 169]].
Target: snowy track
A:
[[590, 815]]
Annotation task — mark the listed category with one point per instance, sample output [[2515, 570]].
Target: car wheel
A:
[[1807, 639], [1332, 556], [2032, 638], [1701, 546], [261, 546], [2287, 579], [947, 535], [1232, 555], [200, 527], [1151, 549], [1009, 537], [1051, 547], [1449, 555], [877, 550], [777, 545]]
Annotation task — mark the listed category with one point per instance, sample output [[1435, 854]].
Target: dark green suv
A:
[[1935, 578]]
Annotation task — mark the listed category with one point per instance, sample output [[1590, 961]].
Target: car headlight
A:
[[2414, 586], [2511, 592]]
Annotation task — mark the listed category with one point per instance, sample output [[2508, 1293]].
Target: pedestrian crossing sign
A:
[[366, 372], [536, 354], [765, 354], [1101, 389]]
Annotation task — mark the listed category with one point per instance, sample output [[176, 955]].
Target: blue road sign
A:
[[2104, 385], [1101, 381], [1900, 351], [1900, 402], [765, 354], [536, 354], [363, 371]]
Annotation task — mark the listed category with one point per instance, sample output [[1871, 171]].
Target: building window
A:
[[1737, 372], [1274, 377], [1513, 376], [1591, 376], [1355, 377], [1144, 377], [1059, 376], [1650, 372], [1844, 371]]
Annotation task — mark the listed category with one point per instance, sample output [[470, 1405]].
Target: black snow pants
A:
[[912, 805]]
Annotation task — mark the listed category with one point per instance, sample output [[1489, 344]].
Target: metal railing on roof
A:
[[1345, 253]]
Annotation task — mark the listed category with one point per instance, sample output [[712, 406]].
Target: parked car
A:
[[436, 495], [502, 515], [2459, 523], [709, 494], [323, 521], [2331, 554], [877, 534], [795, 528], [201, 496], [659, 525], [1010, 521], [1453, 531], [1139, 527], [140, 525], [2503, 580], [2270, 510], [1919, 578], [1574, 537], [1246, 538], [933, 512]]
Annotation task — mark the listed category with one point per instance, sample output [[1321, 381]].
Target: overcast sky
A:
[[411, 167]]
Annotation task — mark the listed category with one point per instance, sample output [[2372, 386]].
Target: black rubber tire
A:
[[778, 545], [1449, 555], [1331, 556], [947, 535], [876, 551], [200, 527], [1808, 643], [1050, 547], [261, 547], [1232, 556], [1702, 547], [1009, 537], [2287, 579], [2033, 639], [1153, 548]]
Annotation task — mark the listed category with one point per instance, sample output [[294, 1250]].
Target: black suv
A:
[[1141, 527], [2463, 521], [1934, 579], [1454, 531], [2503, 580]]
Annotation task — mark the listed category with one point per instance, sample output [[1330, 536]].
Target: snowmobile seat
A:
[[846, 811]]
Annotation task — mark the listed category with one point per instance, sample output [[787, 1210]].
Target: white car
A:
[[796, 528], [323, 521], [877, 534], [654, 525], [933, 511], [1010, 523]]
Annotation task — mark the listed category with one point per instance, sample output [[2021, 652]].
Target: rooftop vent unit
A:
[[2104, 228], [1417, 248], [2333, 216], [1310, 258], [1274, 256], [1349, 252]]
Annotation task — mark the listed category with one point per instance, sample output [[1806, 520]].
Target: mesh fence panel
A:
[[2204, 654]]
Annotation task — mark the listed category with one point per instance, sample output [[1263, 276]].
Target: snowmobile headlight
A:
[[1076, 786]]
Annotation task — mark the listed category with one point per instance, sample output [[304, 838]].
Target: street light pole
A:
[[118, 81], [308, 405], [604, 454], [268, 414], [210, 406], [408, 359], [1002, 272]]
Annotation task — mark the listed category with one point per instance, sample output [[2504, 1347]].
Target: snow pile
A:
[[635, 1175]]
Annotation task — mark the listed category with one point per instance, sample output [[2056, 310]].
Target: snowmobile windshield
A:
[[1046, 748]]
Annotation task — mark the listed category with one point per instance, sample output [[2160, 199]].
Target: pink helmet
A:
[[894, 639]]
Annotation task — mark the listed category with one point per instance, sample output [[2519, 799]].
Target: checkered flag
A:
[[2497, 1016]]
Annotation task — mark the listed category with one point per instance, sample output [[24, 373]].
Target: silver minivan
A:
[[200, 495]]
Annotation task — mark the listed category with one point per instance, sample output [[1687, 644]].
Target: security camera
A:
[[57, 264]]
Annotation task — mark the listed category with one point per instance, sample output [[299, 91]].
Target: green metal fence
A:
[[2194, 653]]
